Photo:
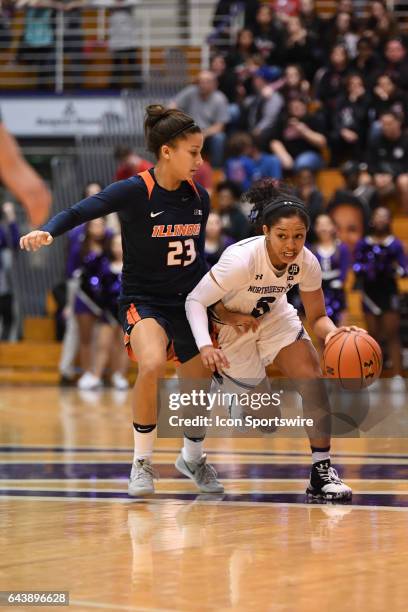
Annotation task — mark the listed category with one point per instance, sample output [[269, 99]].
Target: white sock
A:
[[192, 451], [320, 456], [144, 443]]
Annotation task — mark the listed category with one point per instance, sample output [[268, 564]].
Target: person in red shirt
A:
[[129, 164]]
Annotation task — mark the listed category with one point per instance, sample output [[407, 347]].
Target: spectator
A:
[[396, 62], [246, 163], [73, 41], [350, 121], [295, 84], [298, 47], [311, 21], [37, 41], [381, 24], [215, 241], [330, 81], [308, 192], [244, 48], [129, 163], [227, 79], [358, 185], [349, 217], [9, 238], [261, 110], [342, 33], [209, 107], [387, 158], [122, 43], [334, 259], [367, 62], [269, 35], [234, 223], [388, 98], [379, 260], [298, 140]]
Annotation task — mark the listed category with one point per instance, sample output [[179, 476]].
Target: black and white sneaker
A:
[[325, 483]]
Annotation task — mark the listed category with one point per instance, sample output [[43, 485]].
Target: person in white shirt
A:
[[248, 287]]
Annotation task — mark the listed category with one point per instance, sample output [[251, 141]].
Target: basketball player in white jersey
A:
[[259, 326]]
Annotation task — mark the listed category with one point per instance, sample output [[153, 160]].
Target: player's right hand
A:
[[35, 240], [214, 359]]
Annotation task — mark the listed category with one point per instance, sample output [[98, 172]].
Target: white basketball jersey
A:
[[246, 273]]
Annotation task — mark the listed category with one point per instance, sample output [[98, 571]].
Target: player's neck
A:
[[164, 177]]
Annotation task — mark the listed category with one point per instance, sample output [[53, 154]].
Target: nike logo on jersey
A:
[[152, 214], [185, 199]]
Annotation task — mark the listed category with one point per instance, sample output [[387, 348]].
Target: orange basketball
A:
[[354, 358]]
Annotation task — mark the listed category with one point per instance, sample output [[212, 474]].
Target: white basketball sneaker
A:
[[200, 472], [326, 484], [141, 478]]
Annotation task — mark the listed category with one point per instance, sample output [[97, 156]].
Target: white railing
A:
[[105, 44]]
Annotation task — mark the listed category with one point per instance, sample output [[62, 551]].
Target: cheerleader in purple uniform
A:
[[104, 275], [334, 259], [379, 259]]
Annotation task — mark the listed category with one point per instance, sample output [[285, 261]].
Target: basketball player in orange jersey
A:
[[251, 280], [163, 215], [23, 182]]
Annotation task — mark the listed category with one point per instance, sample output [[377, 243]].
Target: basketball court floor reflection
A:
[[67, 523]]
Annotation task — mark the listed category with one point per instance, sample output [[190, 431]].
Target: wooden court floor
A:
[[67, 524]]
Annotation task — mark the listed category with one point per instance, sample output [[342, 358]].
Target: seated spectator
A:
[[244, 48], [234, 223], [205, 173], [209, 107], [330, 81], [308, 192], [367, 62], [396, 62], [381, 24], [358, 184], [298, 47], [387, 158], [350, 218], [215, 240], [350, 121], [298, 139], [294, 83], [129, 163], [312, 21], [246, 163], [224, 13], [269, 35], [37, 43], [261, 110], [227, 79], [387, 97], [342, 33], [9, 238]]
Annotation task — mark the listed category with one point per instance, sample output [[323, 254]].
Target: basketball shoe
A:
[[326, 484], [200, 472], [141, 478]]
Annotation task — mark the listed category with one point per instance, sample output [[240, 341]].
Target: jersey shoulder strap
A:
[[148, 181]]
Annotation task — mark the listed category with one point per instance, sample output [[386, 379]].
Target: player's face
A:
[[185, 156], [285, 240]]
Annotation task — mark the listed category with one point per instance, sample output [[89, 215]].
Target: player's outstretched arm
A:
[[35, 240]]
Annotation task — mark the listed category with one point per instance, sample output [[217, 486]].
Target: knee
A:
[[152, 368]]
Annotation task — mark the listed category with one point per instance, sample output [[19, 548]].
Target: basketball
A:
[[354, 358]]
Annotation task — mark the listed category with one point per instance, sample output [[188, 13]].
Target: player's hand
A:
[[35, 240], [343, 328], [214, 359], [242, 323]]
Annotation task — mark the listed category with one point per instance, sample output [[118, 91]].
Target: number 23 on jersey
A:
[[181, 252]]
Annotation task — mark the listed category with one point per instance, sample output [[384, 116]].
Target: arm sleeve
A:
[[229, 273], [312, 276], [207, 292], [112, 199]]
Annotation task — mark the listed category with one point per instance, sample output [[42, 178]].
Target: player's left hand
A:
[[344, 328]]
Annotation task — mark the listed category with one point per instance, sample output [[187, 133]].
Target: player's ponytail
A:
[[272, 200], [165, 126]]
